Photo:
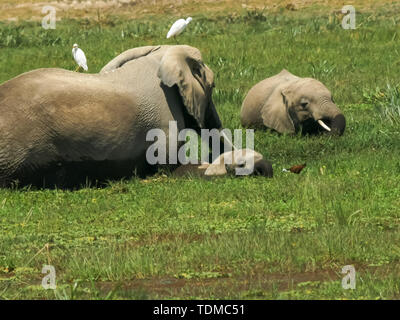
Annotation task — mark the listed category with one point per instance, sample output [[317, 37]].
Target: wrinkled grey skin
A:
[[288, 104], [58, 126]]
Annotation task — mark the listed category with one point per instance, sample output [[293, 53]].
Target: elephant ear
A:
[[275, 112], [183, 66], [127, 56]]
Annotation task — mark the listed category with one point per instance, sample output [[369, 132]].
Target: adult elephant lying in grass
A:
[[288, 104], [61, 127]]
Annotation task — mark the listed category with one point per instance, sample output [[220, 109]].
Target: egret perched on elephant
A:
[[79, 57]]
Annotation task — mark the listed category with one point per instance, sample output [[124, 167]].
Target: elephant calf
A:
[[238, 162], [288, 104]]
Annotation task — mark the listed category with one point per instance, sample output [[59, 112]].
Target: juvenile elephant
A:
[[59, 127], [288, 104], [237, 162]]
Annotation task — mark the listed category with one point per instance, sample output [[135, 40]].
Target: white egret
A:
[[79, 57], [178, 27]]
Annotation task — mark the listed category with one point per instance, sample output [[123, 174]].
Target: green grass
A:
[[253, 238]]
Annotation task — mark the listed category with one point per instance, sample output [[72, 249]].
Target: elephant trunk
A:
[[338, 124], [330, 117], [212, 120], [263, 168]]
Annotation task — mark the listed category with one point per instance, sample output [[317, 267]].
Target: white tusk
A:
[[226, 139], [323, 125]]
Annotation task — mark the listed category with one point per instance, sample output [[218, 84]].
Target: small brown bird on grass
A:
[[295, 169]]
